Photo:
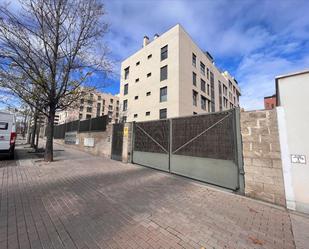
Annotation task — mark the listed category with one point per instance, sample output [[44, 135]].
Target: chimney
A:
[[145, 41], [155, 36]]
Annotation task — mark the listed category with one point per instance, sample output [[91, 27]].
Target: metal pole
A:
[[239, 151], [170, 144], [132, 141]]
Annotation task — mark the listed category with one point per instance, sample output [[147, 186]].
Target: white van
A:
[[7, 133]]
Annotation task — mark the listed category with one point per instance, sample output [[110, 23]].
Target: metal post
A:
[[170, 143], [90, 123], [132, 141], [239, 155]]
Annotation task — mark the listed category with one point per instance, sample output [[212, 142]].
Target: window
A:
[[111, 100], [163, 73], [149, 56], [194, 113], [202, 68], [80, 116], [148, 75], [89, 109], [110, 107], [164, 53], [99, 97], [203, 103], [194, 97], [137, 63], [82, 101], [135, 115], [88, 116], [224, 90], [148, 93], [126, 89], [89, 102], [81, 108], [163, 94], [117, 102], [212, 93], [220, 95], [125, 105], [194, 78], [124, 119], [4, 125], [137, 80], [147, 113], [203, 85], [163, 113], [126, 73], [98, 109], [207, 73], [136, 97], [230, 84], [193, 60], [208, 89]]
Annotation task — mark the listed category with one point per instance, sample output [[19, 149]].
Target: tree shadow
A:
[[103, 205]]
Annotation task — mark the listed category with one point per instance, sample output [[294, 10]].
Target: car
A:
[[7, 133]]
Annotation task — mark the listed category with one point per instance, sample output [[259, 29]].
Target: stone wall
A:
[[127, 143], [102, 142], [262, 158]]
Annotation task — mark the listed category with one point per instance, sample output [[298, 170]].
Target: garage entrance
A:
[[204, 147]]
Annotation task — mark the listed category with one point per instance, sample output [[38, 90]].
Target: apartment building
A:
[[91, 105], [270, 102], [171, 76]]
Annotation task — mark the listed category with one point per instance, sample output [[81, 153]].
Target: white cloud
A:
[[254, 40], [257, 74]]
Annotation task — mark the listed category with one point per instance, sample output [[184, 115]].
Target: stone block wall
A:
[[127, 143], [262, 157], [102, 142]]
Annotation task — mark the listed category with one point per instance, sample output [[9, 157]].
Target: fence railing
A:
[[88, 125]]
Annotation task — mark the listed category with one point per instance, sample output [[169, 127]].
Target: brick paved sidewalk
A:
[[82, 201]]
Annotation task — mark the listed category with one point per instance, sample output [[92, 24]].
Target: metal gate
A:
[[203, 147], [151, 144], [117, 140]]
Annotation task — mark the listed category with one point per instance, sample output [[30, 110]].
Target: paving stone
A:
[[82, 201]]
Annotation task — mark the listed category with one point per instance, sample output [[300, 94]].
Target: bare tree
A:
[[49, 50]]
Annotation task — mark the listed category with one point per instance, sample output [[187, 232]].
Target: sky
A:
[[253, 40]]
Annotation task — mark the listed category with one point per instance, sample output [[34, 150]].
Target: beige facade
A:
[[172, 73], [93, 104], [292, 92]]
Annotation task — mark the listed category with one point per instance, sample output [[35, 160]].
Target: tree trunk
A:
[[23, 133], [38, 134], [48, 156], [34, 129], [29, 128]]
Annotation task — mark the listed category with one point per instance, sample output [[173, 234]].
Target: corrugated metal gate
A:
[[203, 147]]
